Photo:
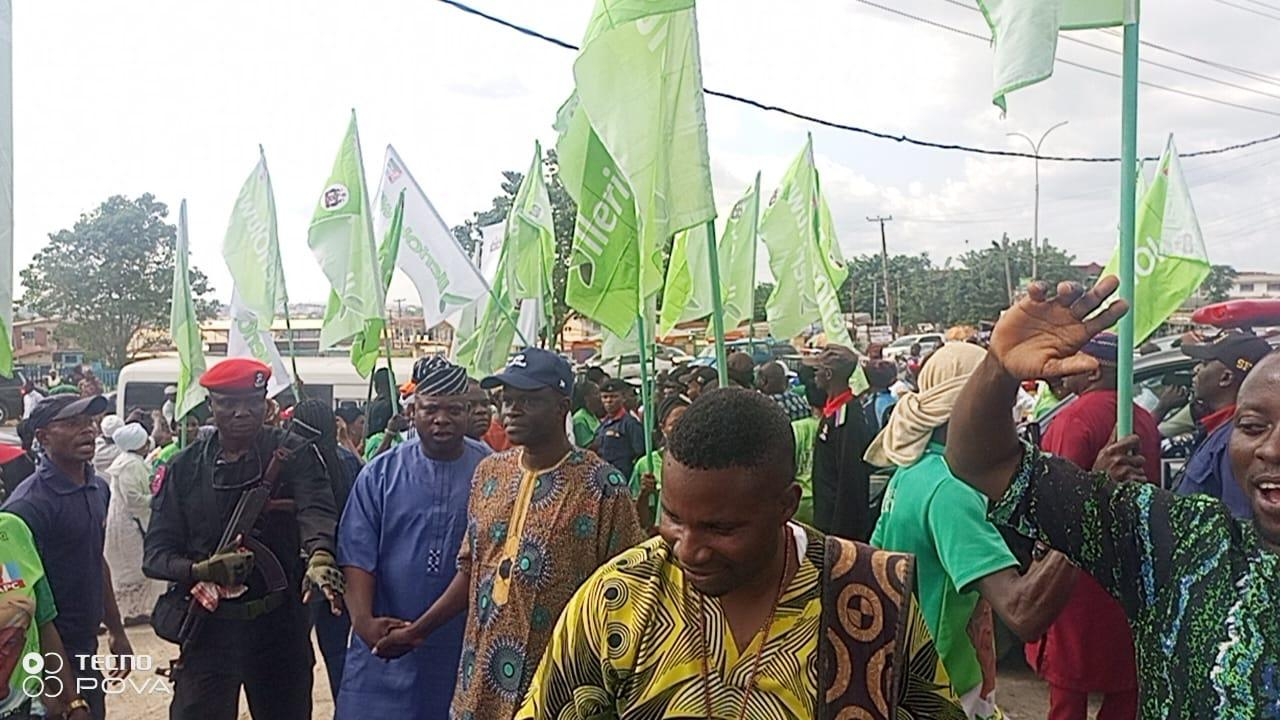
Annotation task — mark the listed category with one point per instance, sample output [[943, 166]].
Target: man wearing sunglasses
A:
[[398, 543], [254, 637]]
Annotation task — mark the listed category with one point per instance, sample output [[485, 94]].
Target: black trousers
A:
[[270, 657]]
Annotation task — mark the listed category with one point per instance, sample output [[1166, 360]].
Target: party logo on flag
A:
[[334, 197], [393, 170], [11, 578]]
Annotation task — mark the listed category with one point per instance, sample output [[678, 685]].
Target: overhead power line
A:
[[1073, 38], [1082, 66], [1247, 9], [958, 147]]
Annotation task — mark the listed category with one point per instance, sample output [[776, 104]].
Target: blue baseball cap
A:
[[534, 369], [1104, 347]]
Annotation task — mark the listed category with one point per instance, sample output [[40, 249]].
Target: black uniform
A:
[[841, 478], [259, 640]]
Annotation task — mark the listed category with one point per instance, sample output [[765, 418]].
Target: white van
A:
[[332, 379]]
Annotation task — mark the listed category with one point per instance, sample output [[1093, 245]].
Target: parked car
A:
[[627, 366], [900, 347], [11, 397], [762, 350]]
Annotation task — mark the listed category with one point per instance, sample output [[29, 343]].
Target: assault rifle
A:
[[241, 531]]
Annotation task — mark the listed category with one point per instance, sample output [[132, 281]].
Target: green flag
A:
[[366, 343], [687, 293], [738, 258], [252, 247], [341, 238], [531, 237], [184, 327], [634, 143], [1025, 34], [523, 276], [6, 188], [803, 255], [1170, 259]]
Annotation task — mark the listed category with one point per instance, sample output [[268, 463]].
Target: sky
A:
[[174, 99]]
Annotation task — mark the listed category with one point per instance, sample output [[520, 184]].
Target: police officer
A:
[[254, 637]]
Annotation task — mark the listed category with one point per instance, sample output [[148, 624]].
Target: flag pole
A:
[[646, 391], [391, 373], [1128, 207], [755, 243], [717, 304]]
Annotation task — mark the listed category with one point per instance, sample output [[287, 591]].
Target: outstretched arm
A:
[[1039, 337]]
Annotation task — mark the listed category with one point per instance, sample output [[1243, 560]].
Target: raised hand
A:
[[1041, 337]]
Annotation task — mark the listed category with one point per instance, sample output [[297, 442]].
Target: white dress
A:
[[127, 517]]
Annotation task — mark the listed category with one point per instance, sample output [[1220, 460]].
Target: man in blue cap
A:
[[543, 516], [65, 504], [1089, 648]]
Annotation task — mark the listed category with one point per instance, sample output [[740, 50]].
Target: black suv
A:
[[11, 397]]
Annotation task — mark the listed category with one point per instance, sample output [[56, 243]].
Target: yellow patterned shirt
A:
[[627, 647]]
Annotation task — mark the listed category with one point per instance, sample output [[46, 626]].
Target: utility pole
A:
[[1035, 235], [1003, 247], [890, 311]]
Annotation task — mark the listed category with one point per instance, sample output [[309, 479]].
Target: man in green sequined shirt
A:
[[1200, 588]]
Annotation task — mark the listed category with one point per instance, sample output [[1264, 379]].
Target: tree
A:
[[760, 299], [111, 276], [564, 213], [1217, 287]]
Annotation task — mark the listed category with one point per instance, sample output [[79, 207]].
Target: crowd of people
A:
[[797, 544]]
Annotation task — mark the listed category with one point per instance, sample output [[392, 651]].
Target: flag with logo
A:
[[737, 251], [445, 278], [803, 255], [184, 327], [1024, 34], [341, 238], [1170, 259], [251, 250], [633, 152], [366, 343], [687, 294]]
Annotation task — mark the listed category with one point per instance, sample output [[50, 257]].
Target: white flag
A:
[[247, 338], [429, 254]]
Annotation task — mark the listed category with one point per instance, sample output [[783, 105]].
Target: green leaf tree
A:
[[1217, 287], [110, 276]]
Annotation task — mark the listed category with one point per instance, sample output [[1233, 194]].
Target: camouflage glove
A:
[[323, 573], [227, 569]]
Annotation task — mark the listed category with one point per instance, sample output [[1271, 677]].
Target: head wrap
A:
[[131, 437], [436, 376], [109, 425], [918, 414]]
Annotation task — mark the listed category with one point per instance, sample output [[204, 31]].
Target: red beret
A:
[[236, 375]]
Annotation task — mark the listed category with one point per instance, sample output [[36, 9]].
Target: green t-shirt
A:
[[652, 460], [806, 432], [22, 583], [930, 513], [584, 427], [374, 442]]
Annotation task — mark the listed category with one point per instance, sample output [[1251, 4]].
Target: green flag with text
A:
[[633, 152], [1170, 260], [366, 343]]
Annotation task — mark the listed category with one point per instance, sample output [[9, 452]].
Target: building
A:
[[1249, 285], [406, 334], [37, 343]]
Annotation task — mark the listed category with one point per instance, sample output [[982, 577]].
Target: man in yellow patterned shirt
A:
[[734, 611]]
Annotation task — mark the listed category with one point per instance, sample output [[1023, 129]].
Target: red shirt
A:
[[1089, 647], [496, 437]]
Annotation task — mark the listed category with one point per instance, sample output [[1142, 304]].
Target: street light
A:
[[1035, 238]]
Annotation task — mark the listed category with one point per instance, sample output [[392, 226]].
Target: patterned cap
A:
[[436, 376]]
